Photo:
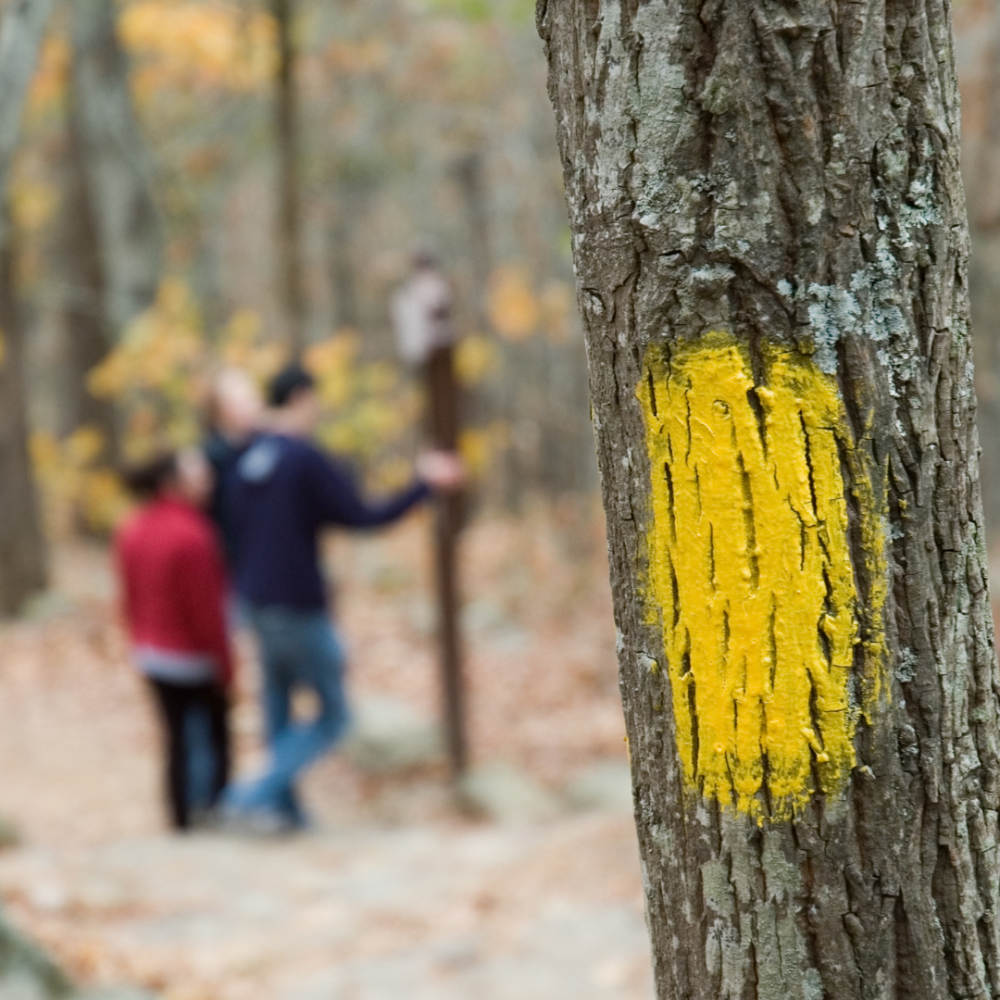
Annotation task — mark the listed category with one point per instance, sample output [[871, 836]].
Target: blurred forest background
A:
[[201, 182], [206, 182]]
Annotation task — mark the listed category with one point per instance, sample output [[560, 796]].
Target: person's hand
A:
[[443, 471]]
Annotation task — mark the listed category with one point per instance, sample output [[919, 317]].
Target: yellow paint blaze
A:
[[750, 569]]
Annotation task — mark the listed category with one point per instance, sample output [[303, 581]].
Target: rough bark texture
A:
[[113, 161], [788, 174]]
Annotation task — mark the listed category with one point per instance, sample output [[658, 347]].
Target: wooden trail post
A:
[[422, 314], [442, 396]]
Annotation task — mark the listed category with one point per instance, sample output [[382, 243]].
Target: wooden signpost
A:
[[422, 314], [442, 395]]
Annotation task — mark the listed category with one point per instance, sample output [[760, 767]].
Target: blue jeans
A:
[[299, 651]]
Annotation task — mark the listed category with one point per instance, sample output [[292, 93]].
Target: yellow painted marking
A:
[[750, 569]]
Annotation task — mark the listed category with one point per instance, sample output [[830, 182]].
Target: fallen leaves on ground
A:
[[397, 893]]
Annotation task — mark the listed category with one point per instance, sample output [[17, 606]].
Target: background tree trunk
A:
[[112, 245], [22, 546], [343, 281], [23, 569], [21, 30], [84, 320], [113, 162], [771, 252], [978, 48], [287, 135]]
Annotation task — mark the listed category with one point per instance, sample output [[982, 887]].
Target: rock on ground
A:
[[387, 735], [502, 792], [606, 786]]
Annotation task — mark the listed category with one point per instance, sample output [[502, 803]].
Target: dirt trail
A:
[[394, 894]]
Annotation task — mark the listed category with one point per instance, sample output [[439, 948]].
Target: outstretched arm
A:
[[341, 502]]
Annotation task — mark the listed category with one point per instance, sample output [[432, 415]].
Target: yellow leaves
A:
[[513, 308], [517, 311], [556, 303], [83, 446], [370, 408], [73, 485], [158, 376], [332, 362], [201, 45], [159, 365], [479, 447], [33, 202], [49, 83], [242, 345], [160, 351], [475, 357]]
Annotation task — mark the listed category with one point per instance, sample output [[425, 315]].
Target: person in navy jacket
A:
[[285, 492]]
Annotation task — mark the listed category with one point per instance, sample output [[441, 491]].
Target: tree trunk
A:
[[475, 200], [287, 135], [771, 252], [343, 280], [978, 30], [114, 165], [23, 570], [22, 26], [84, 318], [22, 546]]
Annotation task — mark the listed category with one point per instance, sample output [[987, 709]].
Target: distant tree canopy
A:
[[413, 122]]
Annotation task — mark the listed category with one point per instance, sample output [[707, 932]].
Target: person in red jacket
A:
[[173, 585]]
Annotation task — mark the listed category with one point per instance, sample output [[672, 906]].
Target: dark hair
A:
[[146, 479], [290, 380]]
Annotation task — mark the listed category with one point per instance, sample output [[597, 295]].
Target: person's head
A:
[[234, 404], [292, 395], [194, 479], [185, 475]]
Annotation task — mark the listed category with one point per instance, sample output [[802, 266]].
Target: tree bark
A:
[[114, 165], [85, 323], [21, 30], [287, 136], [772, 255], [23, 569], [22, 546], [347, 210], [471, 182]]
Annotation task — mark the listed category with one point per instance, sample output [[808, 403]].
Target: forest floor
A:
[[395, 893]]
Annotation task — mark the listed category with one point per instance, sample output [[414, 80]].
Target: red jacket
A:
[[174, 581]]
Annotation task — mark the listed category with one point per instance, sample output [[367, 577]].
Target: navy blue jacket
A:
[[285, 491], [224, 457]]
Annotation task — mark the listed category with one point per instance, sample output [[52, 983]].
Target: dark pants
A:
[[196, 735]]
